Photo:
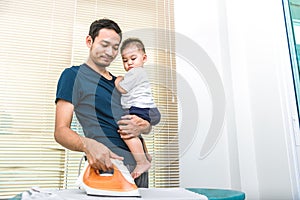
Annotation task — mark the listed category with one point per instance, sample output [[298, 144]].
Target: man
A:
[[89, 91]]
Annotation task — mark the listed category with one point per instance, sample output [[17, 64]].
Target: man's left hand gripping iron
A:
[[118, 183]]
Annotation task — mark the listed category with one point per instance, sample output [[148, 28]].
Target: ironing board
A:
[[146, 193]]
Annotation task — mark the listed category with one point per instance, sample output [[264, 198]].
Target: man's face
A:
[[104, 49]]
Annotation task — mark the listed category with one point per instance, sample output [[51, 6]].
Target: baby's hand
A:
[[117, 84], [118, 79]]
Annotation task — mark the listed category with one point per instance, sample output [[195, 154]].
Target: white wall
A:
[[255, 153]]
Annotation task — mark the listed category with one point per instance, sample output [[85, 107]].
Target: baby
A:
[[137, 98]]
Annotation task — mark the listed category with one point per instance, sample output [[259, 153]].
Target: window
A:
[[38, 40], [292, 15]]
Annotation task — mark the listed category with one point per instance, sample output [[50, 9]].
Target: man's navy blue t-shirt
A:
[[96, 104]]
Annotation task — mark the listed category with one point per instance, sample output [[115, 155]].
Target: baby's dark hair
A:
[[97, 25], [133, 41]]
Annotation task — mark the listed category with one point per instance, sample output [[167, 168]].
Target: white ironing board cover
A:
[[146, 193]]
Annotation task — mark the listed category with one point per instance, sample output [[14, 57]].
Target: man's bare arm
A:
[[97, 154], [63, 134]]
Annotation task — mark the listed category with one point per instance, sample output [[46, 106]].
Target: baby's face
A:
[[133, 57]]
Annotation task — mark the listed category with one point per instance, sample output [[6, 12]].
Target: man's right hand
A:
[[99, 155]]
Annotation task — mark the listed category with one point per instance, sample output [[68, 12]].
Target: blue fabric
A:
[[152, 115], [141, 112], [96, 104], [219, 194], [17, 197]]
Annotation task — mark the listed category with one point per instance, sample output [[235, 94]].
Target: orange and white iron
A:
[[118, 183]]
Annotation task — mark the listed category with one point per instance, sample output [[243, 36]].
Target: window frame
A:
[[290, 23]]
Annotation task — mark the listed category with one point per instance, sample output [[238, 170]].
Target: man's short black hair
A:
[[97, 25]]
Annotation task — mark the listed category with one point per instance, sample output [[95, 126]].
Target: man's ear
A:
[[89, 41]]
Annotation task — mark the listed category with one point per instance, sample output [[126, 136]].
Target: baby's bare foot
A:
[[140, 168]]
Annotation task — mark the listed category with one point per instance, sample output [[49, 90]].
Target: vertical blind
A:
[[38, 40]]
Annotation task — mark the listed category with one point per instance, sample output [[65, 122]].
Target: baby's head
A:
[[132, 42], [133, 53]]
